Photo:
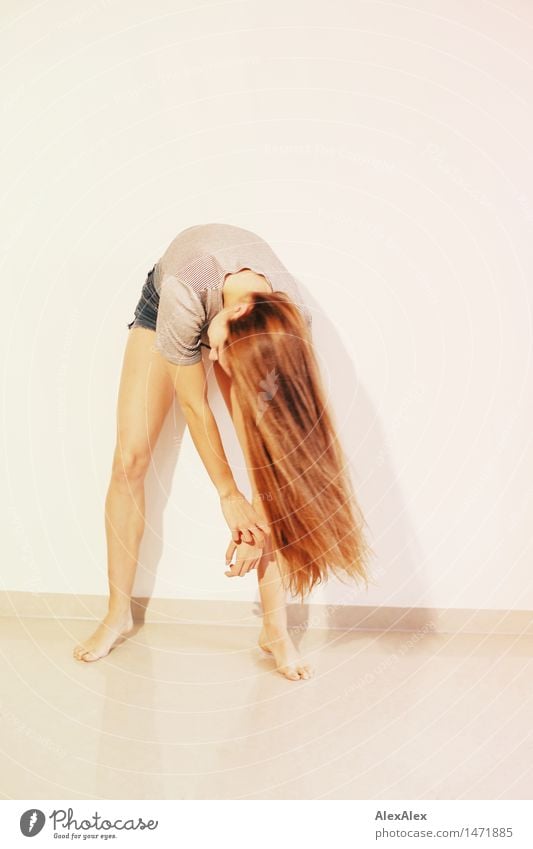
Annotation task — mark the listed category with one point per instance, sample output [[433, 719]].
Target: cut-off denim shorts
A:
[[147, 306]]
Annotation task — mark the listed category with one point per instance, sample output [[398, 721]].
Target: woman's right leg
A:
[[274, 637], [144, 398]]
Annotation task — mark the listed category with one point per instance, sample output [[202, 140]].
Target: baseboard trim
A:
[[245, 613]]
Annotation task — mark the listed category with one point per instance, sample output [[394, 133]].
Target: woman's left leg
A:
[[274, 637]]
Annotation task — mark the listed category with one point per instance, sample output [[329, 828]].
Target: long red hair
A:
[[298, 466]]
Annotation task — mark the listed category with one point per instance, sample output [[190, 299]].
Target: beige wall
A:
[[385, 154]]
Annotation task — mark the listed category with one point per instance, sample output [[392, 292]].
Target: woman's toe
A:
[[89, 655], [83, 654], [290, 673]]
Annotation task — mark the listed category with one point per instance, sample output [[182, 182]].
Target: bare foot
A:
[[112, 630], [278, 643]]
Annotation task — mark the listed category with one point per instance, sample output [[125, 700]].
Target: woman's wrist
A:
[[229, 490]]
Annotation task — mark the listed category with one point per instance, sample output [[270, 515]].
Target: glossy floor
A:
[[197, 712]]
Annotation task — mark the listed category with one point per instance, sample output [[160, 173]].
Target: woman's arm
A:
[[190, 385]]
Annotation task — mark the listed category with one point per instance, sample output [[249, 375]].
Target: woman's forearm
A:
[[240, 428], [206, 437]]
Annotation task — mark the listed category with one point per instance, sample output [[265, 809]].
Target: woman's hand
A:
[[246, 523], [248, 558]]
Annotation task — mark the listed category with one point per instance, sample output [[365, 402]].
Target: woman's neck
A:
[[237, 285]]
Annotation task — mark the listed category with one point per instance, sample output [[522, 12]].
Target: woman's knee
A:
[[130, 463]]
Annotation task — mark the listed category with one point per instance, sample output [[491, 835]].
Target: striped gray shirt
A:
[[189, 277]]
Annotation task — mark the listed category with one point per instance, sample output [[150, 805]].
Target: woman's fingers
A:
[[254, 535], [236, 570], [242, 567], [255, 563], [249, 564], [247, 536], [249, 553], [232, 571], [259, 536], [230, 551]]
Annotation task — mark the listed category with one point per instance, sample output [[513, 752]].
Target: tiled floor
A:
[[195, 712]]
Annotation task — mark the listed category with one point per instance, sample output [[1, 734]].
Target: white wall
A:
[[385, 154]]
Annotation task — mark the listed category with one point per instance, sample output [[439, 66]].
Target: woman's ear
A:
[[240, 309]]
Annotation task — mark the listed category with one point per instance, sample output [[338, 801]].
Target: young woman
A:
[[223, 286]]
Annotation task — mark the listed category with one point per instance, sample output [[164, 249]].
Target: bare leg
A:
[[144, 398], [274, 637]]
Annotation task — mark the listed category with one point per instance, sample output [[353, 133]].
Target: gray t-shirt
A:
[[189, 277]]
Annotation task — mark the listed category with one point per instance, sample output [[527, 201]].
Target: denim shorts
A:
[[147, 306]]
